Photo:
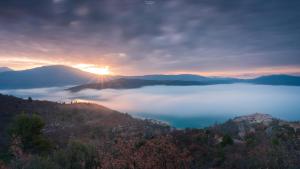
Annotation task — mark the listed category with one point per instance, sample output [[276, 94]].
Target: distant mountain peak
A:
[[54, 67], [45, 76]]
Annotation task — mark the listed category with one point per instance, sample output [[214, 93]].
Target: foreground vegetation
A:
[[39, 134]]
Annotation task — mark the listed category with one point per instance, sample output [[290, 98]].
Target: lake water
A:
[[185, 106]]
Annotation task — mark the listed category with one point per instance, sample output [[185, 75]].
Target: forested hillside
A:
[[48, 135]]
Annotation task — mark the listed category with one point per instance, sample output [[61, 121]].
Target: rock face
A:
[[246, 124], [255, 118]]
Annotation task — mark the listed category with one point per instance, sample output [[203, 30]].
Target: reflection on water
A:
[[189, 106]]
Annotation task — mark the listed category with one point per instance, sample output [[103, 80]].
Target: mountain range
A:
[[58, 75]]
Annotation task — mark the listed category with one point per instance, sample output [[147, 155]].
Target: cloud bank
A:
[[158, 36]]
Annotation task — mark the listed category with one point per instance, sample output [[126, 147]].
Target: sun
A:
[[94, 69], [98, 70], [102, 71]]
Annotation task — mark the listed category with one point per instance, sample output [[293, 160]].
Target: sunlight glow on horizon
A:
[[94, 69], [23, 63]]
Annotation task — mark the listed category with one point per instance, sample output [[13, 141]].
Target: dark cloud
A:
[[156, 35]]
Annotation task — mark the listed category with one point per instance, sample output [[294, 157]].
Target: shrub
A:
[[227, 140], [275, 141]]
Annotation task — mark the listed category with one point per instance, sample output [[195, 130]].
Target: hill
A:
[[180, 77], [287, 80], [64, 121], [186, 77], [5, 69], [47, 76], [112, 140], [129, 83]]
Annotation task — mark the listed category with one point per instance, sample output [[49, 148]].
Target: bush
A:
[[30, 99], [227, 140], [275, 141]]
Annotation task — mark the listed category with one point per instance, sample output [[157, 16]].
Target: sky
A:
[[134, 37]]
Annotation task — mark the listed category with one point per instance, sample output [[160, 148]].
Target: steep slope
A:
[[47, 76], [78, 120]]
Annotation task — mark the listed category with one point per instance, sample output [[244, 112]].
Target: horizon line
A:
[[228, 74]]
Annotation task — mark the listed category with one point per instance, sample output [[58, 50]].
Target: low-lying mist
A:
[[193, 106]]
